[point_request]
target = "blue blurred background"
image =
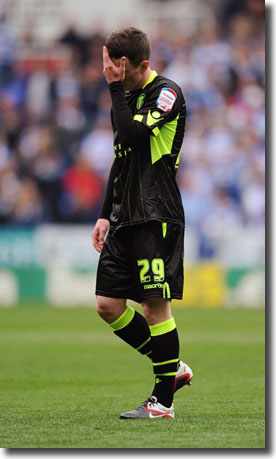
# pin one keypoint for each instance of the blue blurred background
(56, 142)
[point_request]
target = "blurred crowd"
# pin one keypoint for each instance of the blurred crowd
(55, 134)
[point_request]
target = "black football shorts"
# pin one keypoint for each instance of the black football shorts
(142, 261)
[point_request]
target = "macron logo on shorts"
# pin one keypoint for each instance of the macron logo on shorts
(166, 99)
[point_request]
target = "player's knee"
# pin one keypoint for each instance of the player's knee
(149, 312)
(155, 308)
(103, 308)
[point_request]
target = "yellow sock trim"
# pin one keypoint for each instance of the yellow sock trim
(156, 364)
(163, 327)
(143, 344)
(124, 319)
(172, 373)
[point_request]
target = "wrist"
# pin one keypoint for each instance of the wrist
(116, 84)
(104, 216)
(113, 80)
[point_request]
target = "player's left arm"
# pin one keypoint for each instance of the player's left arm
(129, 130)
(162, 106)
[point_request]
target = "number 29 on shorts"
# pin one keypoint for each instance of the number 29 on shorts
(158, 269)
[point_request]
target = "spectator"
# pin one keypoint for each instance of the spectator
(81, 193)
(28, 208)
(56, 138)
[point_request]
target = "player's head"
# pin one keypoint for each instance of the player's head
(134, 45)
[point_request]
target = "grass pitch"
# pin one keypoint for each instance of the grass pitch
(65, 378)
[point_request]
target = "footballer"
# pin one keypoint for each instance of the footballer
(140, 230)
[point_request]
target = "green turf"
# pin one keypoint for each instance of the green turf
(65, 378)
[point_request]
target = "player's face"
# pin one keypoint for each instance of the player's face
(133, 75)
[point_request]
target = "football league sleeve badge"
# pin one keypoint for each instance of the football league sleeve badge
(166, 99)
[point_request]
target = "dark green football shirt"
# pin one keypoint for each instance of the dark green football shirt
(145, 187)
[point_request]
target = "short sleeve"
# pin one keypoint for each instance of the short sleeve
(160, 107)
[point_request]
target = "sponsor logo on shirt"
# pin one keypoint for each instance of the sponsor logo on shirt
(166, 99)
(118, 152)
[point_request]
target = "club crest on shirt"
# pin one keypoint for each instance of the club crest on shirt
(166, 99)
(140, 101)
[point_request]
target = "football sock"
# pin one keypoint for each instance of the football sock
(165, 352)
(133, 328)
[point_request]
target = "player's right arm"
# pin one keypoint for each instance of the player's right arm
(99, 232)
(102, 226)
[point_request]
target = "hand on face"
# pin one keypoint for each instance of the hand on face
(110, 70)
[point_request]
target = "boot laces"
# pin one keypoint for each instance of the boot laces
(150, 401)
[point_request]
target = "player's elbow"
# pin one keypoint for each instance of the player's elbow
(128, 135)
(125, 138)
(134, 134)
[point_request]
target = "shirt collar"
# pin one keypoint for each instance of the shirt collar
(151, 78)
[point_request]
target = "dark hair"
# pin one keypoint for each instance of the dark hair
(129, 42)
